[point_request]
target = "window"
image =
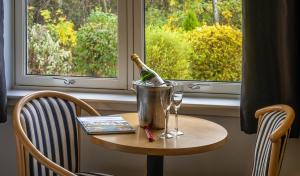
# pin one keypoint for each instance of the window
(195, 41)
(80, 43)
(88, 43)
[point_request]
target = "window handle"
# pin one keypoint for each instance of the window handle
(195, 86)
(66, 81)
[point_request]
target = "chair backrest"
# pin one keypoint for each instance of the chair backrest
(47, 120)
(273, 130)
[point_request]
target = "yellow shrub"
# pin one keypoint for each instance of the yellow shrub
(217, 53)
(65, 33)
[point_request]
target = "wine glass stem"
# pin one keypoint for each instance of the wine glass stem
(176, 119)
(166, 124)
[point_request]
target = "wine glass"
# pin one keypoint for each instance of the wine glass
(166, 104)
(176, 103)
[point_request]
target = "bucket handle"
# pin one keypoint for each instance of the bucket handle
(133, 90)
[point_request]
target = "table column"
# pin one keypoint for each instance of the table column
(155, 165)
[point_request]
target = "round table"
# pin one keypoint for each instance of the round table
(199, 136)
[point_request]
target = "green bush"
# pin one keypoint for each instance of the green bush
(96, 51)
(190, 22)
(45, 54)
(166, 53)
(217, 53)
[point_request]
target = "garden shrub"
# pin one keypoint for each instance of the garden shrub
(217, 53)
(166, 53)
(66, 34)
(190, 22)
(45, 54)
(96, 51)
(60, 28)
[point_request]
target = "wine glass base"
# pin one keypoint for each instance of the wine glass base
(177, 133)
(166, 136)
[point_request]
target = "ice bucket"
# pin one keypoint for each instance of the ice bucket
(151, 102)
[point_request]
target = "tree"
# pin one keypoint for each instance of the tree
(215, 11)
(104, 6)
(190, 22)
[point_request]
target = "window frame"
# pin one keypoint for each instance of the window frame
(132, 32)
(22, 79)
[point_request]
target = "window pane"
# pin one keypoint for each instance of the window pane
(194, 40)
(72, 38)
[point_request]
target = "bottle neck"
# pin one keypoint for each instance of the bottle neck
(139, 64)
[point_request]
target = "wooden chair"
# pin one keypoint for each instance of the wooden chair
(274, 124)
(47, 136)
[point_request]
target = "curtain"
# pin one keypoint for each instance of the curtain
(270, 59)
(3, 99)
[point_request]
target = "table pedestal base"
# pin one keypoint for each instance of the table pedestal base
(155, 165)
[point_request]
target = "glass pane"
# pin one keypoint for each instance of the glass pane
(194, 39)
(72, 38)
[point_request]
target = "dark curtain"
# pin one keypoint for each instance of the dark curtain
(3, 100)
(270, 59)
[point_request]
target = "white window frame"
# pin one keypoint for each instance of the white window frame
(22, 79)
(131, 40)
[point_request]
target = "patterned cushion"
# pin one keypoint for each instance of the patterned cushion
(270, 122)
(91, 174)
(50, 125)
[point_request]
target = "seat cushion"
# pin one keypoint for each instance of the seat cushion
(91, 174)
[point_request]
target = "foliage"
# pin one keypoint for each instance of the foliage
(46, 14)
(30, 17)
(204, 12)
(174, 13)
(76, 10)
(190, 22)
(174, 21)
(79, 37)
(61, 29)
(231, 12)
(217, 53)
(45, 54)
(166, 53)
(96, 51)
(155, 17)
(64, 31)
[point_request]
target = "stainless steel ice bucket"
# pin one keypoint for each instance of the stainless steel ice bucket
(151, 102)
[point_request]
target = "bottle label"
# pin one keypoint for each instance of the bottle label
(147, 76)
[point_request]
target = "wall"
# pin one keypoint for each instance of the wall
(234, 159)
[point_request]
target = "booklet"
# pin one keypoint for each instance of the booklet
(105, 125)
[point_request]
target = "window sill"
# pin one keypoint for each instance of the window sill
(227, 107)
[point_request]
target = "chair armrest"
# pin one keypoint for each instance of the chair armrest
(290, 115)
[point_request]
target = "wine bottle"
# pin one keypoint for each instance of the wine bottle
(146, 73)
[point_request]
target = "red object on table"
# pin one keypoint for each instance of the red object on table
(149, 134)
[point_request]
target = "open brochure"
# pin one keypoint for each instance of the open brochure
(105, 125)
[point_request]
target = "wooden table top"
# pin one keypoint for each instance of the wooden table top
(199, 136)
